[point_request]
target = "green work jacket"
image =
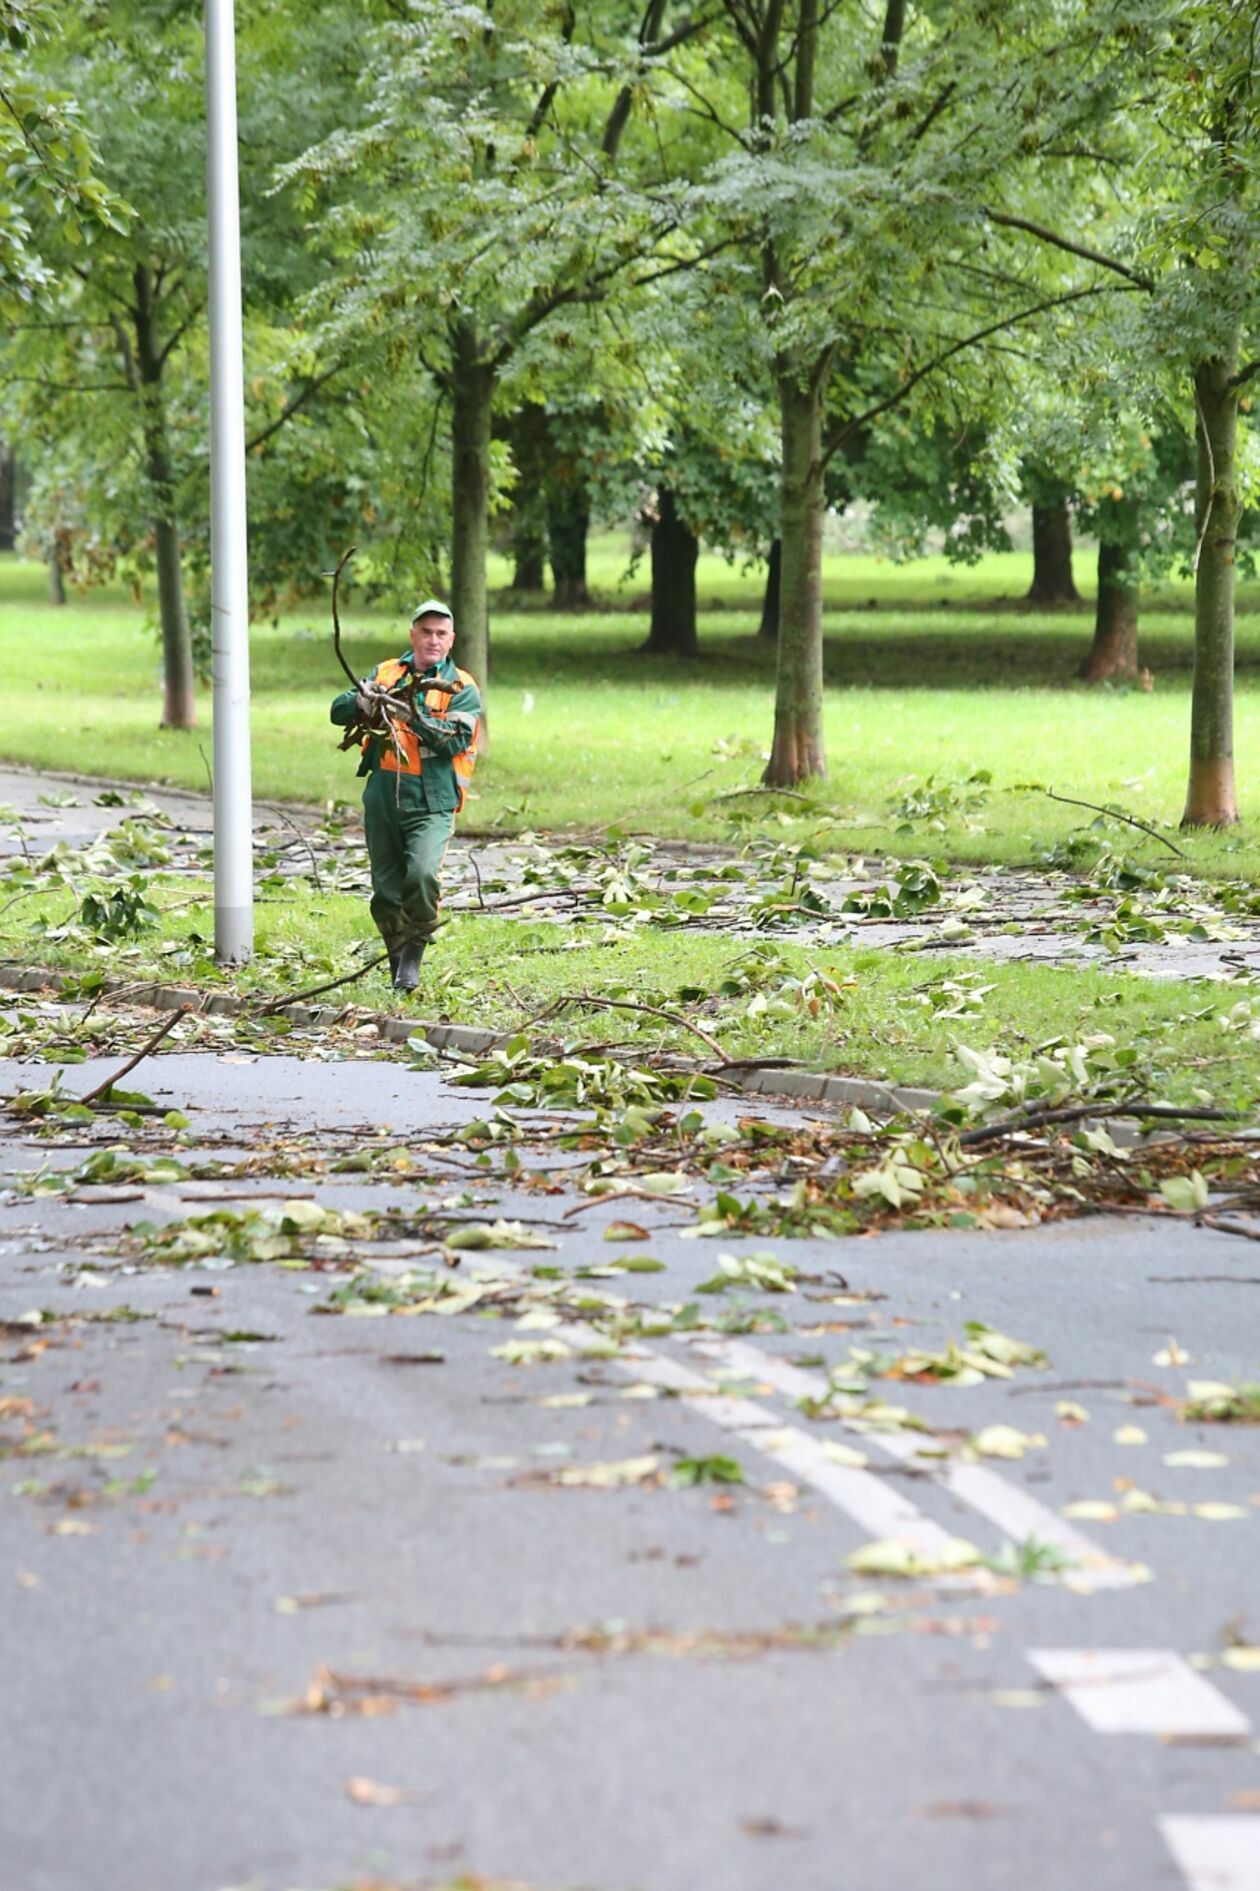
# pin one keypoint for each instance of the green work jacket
(441, 737)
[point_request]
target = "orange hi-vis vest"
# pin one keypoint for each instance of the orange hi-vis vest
(403, 755)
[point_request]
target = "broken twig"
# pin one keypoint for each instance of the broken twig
(315, 991)
(1117, 814)
(150, 1044)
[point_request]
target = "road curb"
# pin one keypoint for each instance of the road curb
(798, 1085)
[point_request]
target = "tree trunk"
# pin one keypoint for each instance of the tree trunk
(674, 552)
(1211, 799)
(529, 553)
(529, 434)
(769, 625)
(1052, 555)
(179, 706)
(472, 403)
(7, 522)
(797, 751)
(56, 578)
(568, 521)
(1113, 655)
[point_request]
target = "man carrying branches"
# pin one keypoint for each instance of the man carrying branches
(417, 718)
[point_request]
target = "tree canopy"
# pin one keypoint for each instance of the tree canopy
(721, 267)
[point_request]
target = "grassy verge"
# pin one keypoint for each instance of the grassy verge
(933, 675)
(900, 1017)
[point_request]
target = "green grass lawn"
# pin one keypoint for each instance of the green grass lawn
(899, 1017)
(931, 671)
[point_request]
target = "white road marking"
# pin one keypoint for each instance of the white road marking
(1215, 1854)
(1139, 1690)
(867, 1500)
(1018, 1515)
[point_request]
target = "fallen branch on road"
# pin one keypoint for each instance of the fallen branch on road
(150, 1044)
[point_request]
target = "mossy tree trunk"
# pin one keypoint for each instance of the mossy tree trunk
(674, 552)
(1211, 797)
(1113, 655)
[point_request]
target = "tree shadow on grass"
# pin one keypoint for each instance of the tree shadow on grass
(875, 650)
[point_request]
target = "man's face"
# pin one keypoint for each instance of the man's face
(431, 639)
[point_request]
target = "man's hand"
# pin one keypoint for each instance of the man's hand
(367, 700)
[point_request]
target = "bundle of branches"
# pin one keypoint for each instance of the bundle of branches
(390, 711)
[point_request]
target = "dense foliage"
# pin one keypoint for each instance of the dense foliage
(717, 268)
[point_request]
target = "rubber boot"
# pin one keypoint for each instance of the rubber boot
(407, 976)
(393, 965)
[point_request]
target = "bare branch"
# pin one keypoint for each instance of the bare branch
(311, 386)
(1053, 237)
(836, 439)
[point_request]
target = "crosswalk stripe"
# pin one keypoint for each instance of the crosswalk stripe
(867, 1500)
(1139, 1690)
(1216, 1854)
(1017, 1514)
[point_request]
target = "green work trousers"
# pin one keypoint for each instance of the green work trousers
(406, 841)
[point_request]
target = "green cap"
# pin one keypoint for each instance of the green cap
(431, 607)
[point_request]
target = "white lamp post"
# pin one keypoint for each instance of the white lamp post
(229, 570)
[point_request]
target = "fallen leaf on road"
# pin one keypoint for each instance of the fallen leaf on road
(496, 1234)
(1071, 1413)
(1195, 1460)
(608, 1476)
(1171, 1355)
(1209, 1389)
(626, 1231)
(530, 1352)
(1141, 1503)
(1185, 1194)
(311, 1599)
(844, 1454)
(1004, 1441)
(1130, 1435)
(1218, 1513)
(1244, 1659)
(889, 1556)
(1091, 1510)
(771, 1828)
(370, 1792)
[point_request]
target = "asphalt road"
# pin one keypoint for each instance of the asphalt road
(512, 1674)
